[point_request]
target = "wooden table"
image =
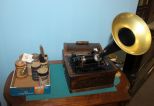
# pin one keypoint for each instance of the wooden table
(105, 99)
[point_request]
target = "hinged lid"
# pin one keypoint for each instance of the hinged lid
(80, 47)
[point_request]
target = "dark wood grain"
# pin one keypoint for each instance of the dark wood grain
(94, 79)
(89, 80)
(104, 99)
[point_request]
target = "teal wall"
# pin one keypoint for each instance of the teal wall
(25, 24)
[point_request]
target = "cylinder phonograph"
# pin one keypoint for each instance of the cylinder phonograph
(87, 65)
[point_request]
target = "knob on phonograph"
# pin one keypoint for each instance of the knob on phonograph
(130, 33)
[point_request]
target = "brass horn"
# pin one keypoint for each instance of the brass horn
(130, 33)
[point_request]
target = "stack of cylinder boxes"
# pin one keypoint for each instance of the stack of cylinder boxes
(37, 68)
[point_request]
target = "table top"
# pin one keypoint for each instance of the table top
(94, 99)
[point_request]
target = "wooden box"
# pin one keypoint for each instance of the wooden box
(90, 80)
(27, 86)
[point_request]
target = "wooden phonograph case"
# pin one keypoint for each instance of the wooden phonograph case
(89, 74)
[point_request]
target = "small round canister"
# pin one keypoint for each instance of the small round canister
(43, 74)
(35, 66)
(44, 64)
(21, 71)
(29, 69)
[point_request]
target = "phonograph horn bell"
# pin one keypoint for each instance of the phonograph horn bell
(130, 33)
